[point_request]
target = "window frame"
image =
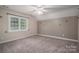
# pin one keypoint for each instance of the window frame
(19, 20)
(26, 24)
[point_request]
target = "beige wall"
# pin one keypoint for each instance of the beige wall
(67, 26)
(78, 27)
(9, 36)
(62, 27)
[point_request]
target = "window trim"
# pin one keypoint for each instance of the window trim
(18, 30)
(26, 24)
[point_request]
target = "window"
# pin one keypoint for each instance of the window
(22, 24)
(17, 23)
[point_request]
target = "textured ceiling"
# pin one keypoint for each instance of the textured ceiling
(30, 9)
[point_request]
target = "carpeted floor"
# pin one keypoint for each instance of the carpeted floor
(39, 44)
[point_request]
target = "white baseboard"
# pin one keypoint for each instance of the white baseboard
(16, 39)
(42, 35)
(73, 40)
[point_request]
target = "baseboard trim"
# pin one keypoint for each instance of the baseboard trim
(17, 39)
(58, 37)
(44, 36)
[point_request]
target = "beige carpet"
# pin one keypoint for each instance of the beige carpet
(39, 44)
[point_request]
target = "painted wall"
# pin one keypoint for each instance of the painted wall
(62, 27)
(9, 36)
(78, 27)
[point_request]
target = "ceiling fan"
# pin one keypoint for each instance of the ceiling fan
(43, 9)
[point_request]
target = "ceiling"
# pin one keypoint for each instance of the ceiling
(46, 9)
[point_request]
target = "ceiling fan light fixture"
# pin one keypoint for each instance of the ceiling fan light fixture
(39, 10)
